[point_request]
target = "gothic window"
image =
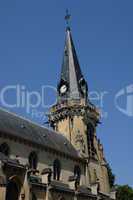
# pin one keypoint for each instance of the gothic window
(56, 169)
(4, 148)
(33, 160)
(90, 139)
(77, 172)
(34, 196)
(13, 189)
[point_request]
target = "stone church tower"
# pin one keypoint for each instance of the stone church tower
(67, 163)
(76, 117)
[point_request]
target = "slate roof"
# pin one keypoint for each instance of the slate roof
(22, 128)
(71, 72)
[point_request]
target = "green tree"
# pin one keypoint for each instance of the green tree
(111, 176)
(124, 192)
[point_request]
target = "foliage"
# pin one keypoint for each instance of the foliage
(124, 192)
(111, 176)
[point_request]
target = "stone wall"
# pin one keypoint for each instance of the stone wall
(45, 160)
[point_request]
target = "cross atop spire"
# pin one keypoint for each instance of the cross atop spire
(67, 18)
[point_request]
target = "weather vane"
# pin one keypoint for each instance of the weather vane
(67, 17)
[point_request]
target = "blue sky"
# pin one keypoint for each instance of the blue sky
(31, 47)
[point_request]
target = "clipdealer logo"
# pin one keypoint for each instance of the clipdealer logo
(125, 95)
(31, 101)
(23, 98)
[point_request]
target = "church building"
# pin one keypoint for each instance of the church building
(64, 162)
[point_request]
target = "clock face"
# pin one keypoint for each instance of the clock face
(63, 89)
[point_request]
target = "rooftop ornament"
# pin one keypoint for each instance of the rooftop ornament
(67, 18)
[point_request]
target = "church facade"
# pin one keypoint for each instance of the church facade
(65, 162)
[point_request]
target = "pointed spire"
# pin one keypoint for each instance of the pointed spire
(72, 83)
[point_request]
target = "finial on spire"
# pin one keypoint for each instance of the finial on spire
(67, 18)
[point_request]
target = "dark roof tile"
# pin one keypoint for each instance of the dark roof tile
(17, 126)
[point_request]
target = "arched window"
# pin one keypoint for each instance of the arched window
(77, 175)
(77, 172)
(4, 148)
(13, 188)
(56, 169)
(33, 160)
(34, 196)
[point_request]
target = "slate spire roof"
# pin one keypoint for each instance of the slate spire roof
(71, 74)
